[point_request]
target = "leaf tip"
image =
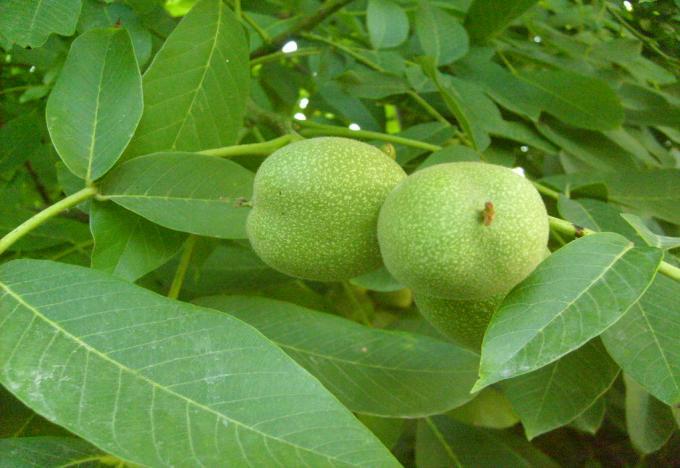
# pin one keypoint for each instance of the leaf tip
(479, 385)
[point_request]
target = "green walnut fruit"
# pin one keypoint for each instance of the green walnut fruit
(315, 208)
(463, 321)
(464, 230)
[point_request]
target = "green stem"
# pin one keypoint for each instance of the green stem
(565, 227)
(41, 217)
(103, 459)
(357, 56)
(670, 270)
(280, 54)
(182, 268)
(646, 40)
(23, 427)
(306, 23)
(237, 9)
(351, 295)
(321, 129)
(428, 108)
(73, 248)
(546, 190)
(14, 89)
(264, 148)
(370, 64)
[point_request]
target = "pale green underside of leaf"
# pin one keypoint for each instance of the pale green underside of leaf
(490, 409)
(184, 191)
(30, 22)
(128, 245)
(160, 382)
(196, 88)
(650, 423)
(556, 394)
(378, 372)
(573, 296)
(591, 419)
(442, 441)
(651, 238)
(30, 452)
(96, 103)
(378, 280)
(645, 341)
(387, 23)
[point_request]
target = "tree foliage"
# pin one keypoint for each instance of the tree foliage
(130, 132)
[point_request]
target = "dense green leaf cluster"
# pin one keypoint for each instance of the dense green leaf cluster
(130, 133)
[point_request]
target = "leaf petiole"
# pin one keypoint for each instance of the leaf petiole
(182, 268)
(252, 149)
(565, 227)
(313, 129)
(51, 211)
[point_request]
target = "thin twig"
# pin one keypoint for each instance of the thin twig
(305, 24)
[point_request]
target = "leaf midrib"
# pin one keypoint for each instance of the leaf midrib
(203, 76)
(440, 437)
(95, 123)
(153, 384)
(559, 98)
(643, 312)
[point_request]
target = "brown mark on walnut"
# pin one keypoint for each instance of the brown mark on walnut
(489, 213)
(579, 231)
